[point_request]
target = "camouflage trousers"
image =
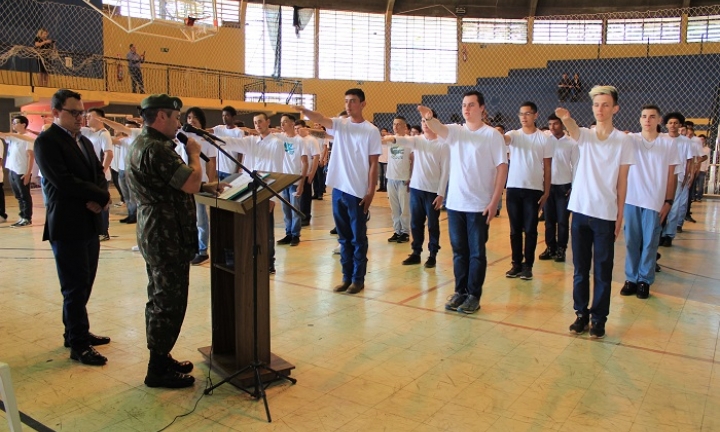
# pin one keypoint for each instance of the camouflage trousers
(166, 306)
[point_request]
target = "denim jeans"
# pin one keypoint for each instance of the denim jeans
(351, 224)
(22, 194)
(468, 235)
(293, 221)
(700, 185)
(129, 200)
(557, 217)
(522, 208)
(222, 175)
(677, 211)
(203, 226)
(399, 205)
(642, 237)
(421, 208)
(593, 245)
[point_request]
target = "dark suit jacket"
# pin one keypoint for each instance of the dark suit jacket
(71, 181)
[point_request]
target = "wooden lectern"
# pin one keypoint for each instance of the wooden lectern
(231, 282)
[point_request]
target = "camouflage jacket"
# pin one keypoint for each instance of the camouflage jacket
(166, 218)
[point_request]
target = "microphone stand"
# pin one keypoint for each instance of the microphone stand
(256, 365)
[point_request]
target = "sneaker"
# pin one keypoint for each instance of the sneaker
(514, 271)
(643, 290)
(470, 305)
(342, 287)
(135, 248)
(580, 325)
(679, 229)
(3, 219)
(526, 273)
(668, 242)
(394, 238)
(355, 288)
(294, 241)
(690, 219)
(597, 331)
(630, 288)
(333, 231)
(411, 259)
(430, 263)
(560, 255)
(337, 250)
(454, 301)
(547, 254)
(120, 204)
(285, 240)
(658, 269)
(21, 223)
(404, 238)
(105, 237)
(271, 270)
(305, 222)
(199, 259)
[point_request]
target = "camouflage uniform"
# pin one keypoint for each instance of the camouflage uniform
(166, 233)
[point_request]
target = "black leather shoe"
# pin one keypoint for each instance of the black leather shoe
(88, 356)
(168, 379)
(183, 367)
(342, 287)
(629, 288)
(355, 288)
(411, 259)
(94, 340)
(430, 263)
(643, 290)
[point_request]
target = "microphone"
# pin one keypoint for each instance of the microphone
(187, 127)
(184, 139)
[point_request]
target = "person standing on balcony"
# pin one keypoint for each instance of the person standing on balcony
(134, 61)
(43, 45)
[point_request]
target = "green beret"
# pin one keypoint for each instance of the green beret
(161, 101)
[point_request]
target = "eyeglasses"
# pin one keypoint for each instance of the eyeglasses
(74, 113)
(525, 114)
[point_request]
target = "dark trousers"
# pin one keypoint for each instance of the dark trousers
(2, 201)
(699, 185)
(105, 220)
(22, 193)
(116, 181)
(557, 217)
(137, 80)
(318, 184)
(468, 235)
(76, 262)
(593, 246)
(421, 208)
(351, 224)
(522, 207)
(167, 302)
(306, 201)
(382, 181)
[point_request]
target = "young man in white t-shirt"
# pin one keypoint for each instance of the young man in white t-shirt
(103, 148)
(3, 215)
(704, 166)
(697, 160)
(132, 130)
(314, 153)
(597, 202)
(227, 166)
(20, 159)
(650, 192)
(353, 175)
(295, 162)
(528, 187)
(399, 170)
(557, 216)
(478, 170)
(382, 164)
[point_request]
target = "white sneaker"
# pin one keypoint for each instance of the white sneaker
(2, 219)
(336, 251)
(135, 248)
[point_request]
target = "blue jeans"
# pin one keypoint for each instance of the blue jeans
(677, 211)
(468, 235)
(522, 208)
(222, 175)
(590, 233)
(421, 207)
(351, 224)
(699, 185)
(129, 200)
(293, 221)
(399, 205)
(203, 226)
(557, 217)
(642, 236)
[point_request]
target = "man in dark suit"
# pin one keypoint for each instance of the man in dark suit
(76, 194)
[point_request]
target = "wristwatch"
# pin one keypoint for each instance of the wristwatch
(670, 201)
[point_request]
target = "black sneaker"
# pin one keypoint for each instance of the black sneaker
(430, 263)
(597, 331)
(199, 259)
(104, 237)
(271, 270)
(679, 229)
(412, 259)
(668, 242)
(547, 254)
(285, 240)
(470, 305)
(394, 238)
(333, 231)
(294, 241)
(454, 301)
(560, 255)
(404, 238)
(658, 269)
(690, 219)
(630, 288)
(580, 325)
(514, 271)
(643, 290)
(526, 273)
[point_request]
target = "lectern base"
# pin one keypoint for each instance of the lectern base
(225, 365)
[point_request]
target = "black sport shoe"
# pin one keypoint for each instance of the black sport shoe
(104, 237)
(560, 255)
(526, 273)
(470, 305)
(394, 238)
(580, 325)
(668, 242)
(547, 254)
(294, 241)
(690, 219)
(333, 231)
(404, 238)
(454, 301)
(199, 259)
(597, 331)
(643, 290)
(430, 263)
(679, 229)
(412, 259)
(285, 240)
(630, 288)
(514, 271)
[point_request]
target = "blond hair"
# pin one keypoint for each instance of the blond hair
(604, 90)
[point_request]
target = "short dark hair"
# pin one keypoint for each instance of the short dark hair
(689, 124)
(133, 123)
(230, 110)
(532, 106)
(674, 115)
(260, 113)
(417, 128)
(199, 114)
(239, 123)
(342, 113)
(356, 92)
(399, 117)
(701, 136)
(98, 111)
(501, 127)
(554, 117)
(290, 116)
(384, 129)
(651, 107)
(61, 96)
(300, 123)
(22, 119)
(480, 97)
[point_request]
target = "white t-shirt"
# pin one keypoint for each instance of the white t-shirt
(100, 140)
(295, 148)
(2, 155)
(527, 152)
(564, 159)
(205, 147)
(474, 157)
(261, 154)
(17, 156)
(353, 144)
(704, 165)
(697, 146)
(594, 191)
(122, 147)
(224, 163)
(432, 163)
(384, 155)
(313, 147)
(398, 162)
(647, 179)
(685, 151)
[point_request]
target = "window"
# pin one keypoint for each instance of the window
(297, 50)
(640, 31)
(171, 10)
(567, 31)
(494, 30)
(703, 29)
(423, 49)
(352, 46)
(306, 100)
